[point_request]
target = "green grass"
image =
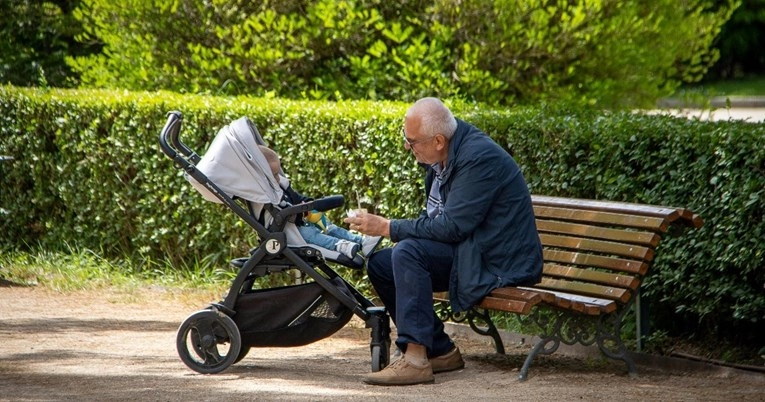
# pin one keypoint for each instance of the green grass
(87, 270)
(82, 269)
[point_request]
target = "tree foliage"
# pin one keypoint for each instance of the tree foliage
(601, 52)
(35, 37)
(741, 42)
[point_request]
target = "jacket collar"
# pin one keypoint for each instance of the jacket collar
(455, 142)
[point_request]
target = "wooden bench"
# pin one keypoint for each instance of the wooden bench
(596, 255)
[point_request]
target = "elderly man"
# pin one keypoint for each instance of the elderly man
(476, 233)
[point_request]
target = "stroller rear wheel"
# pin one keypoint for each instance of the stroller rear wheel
(242, 353)
(208, 342)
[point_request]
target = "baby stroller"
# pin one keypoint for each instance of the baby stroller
(235, 173)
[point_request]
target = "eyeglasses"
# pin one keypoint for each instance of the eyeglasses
(411, 144)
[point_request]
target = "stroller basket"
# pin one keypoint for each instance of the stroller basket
(290, 316)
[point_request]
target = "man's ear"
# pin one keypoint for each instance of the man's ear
(440, 142)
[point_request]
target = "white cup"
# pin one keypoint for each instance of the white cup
(352, 213)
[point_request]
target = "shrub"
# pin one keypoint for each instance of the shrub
(35, 38)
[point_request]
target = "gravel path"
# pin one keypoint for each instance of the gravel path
(121, 346)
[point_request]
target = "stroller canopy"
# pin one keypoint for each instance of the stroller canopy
(237, 166)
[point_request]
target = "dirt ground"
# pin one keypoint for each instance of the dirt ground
(121, 346)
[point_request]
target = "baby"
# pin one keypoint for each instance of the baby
(315, 227)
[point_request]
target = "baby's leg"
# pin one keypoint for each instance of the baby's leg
(342, 233)
(313, 235)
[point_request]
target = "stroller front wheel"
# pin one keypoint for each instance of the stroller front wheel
(380, 359)
(208, 341)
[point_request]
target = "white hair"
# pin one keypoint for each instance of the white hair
(435, 117)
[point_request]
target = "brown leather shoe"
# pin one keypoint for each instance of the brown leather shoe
(448, 362)
(401, 372)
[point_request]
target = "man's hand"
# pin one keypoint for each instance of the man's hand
(369, 224)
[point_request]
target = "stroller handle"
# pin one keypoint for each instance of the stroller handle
(169, 135)
(172, 130)
(329, 202)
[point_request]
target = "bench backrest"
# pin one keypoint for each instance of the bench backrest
(596, 253)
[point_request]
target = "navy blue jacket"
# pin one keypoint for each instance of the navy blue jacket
(487, 212)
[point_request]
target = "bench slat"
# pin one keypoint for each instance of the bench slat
(573, 305)
(511, 306)
(602, 218)
(628, 236)
(583, 308)
(510, 299)
(599, 246)
(585, 289)
(588, 275)
(441, 296)
(593, 305)
(513, 293)
(671, 214)
(597, 261)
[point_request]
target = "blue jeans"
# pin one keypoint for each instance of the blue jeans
(313, 235)
(405, 278)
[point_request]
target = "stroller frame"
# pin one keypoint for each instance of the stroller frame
(204, 335)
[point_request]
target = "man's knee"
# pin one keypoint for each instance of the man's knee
(406, 252)
(379, 265)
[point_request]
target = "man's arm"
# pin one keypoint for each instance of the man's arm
(472, 191)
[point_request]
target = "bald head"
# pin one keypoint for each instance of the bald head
(432, 117)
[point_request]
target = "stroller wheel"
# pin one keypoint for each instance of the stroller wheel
(242, 353)
(208, 341)
(380, 358)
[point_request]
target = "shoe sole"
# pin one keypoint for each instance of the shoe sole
(431, 381)
(446, 370)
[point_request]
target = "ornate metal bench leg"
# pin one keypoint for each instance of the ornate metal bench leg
(541, 346)
(549, 342)
(610, 342)
(444, 312)
(491, 329)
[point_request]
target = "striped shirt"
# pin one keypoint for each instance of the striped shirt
(435, 205)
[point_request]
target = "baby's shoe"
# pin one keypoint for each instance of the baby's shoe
(347, 248)
(369, 244)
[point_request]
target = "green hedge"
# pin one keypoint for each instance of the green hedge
(88, 172)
